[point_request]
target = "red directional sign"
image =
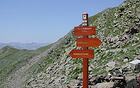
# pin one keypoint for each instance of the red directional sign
(82, 54)
(88, 42)
(84, 31)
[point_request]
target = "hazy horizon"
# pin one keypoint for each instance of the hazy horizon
(27, 42)
(44, 21)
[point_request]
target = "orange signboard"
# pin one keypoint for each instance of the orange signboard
(82, 53)
(84, 30)
(88, 42)
(82, 33)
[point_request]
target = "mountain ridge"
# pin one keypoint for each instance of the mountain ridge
(29, 46)
(119, 30)
(114, 28)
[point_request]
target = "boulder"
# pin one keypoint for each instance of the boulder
(104, 85)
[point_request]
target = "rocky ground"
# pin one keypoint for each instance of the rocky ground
(119, 30)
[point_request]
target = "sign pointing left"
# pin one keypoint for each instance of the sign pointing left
(84, 31)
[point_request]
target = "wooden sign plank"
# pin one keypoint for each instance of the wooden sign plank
(84, 30)
(88, 42)
(82, 53)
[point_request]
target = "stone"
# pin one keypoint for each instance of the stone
(126, 59)
(104, 85)
(110, 65)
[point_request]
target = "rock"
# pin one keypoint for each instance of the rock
(131, 81)
(104, 85)
(126, 59)
(110, 65)
(135, 65)
(99, 79)
(117, 28)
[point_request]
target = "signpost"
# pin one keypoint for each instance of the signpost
(84, 31)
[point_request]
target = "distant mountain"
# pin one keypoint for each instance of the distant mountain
(29, 46)
(1, 45)
(119, 30)
(51, 66)
(12, 59)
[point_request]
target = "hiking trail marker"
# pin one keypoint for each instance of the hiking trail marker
(85, 42)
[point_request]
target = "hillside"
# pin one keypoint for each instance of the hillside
(12, 59)
(117, 27)
(119, 30)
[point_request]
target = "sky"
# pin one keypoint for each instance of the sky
(45, 21)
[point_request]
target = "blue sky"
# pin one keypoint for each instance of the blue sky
(46, 21)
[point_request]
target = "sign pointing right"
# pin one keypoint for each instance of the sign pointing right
(88, 42)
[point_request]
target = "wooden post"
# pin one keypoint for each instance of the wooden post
(84, 53)
(85, 60)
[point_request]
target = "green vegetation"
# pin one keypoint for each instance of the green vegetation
(12, 59)
(74, 73)
(42, 49)
(117, 43)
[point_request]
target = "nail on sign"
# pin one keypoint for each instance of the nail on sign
(82, 53)
(84, 31)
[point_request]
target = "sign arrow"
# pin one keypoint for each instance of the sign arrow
(88, 42)
(82, 53)
(84, 31)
